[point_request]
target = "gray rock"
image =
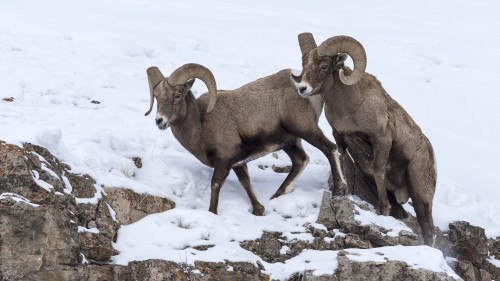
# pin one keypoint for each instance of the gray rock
(326, 215)
(343, 208)
(137, 162)
(354, 241)
(269, 247)
(281, 169)
(492, 269)
(309, 276)
(104, 221)
(83, 185)
(96, 247)
(230, 271)
(467, 271)
(494, 246)
(350, 270)
(468, 242)
(35, 239)
(131, 207)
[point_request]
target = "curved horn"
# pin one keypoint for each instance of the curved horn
(306, 43)
(349, 45)
(192, 70)
(154, 77)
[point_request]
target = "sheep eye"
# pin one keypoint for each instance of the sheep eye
(177, 95)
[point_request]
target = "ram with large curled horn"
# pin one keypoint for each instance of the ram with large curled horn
(226, 129)
(364, 118)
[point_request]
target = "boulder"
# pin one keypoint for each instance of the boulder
(390, 270)
(49, 233)
(344, 212)
(131, 207)
(82, 185)
(468, 242)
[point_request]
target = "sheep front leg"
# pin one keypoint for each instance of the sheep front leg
(221, 171)
(329, 149)
(242, 174)
(381, 150)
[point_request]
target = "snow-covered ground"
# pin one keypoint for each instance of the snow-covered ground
(436, 58)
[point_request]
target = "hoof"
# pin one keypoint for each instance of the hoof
(276, 195)
(383, 210)
(398, 212)
(258, 211)
(214, 211)
(339, 188)
(338, 191)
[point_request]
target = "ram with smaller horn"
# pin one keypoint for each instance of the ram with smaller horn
(362, 114)
(226, 129)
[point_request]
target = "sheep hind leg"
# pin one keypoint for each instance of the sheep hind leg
(299, 162)
(242, 174)
(421, 189)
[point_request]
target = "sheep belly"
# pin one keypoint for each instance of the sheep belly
(261, 152)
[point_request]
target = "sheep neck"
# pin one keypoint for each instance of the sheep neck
(188, 131)
(342, 99)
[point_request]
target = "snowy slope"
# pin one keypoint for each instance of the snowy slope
(436, 58)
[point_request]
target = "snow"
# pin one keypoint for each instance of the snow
(67, 185)
(112, 213)
(494, 261)
(320, 262)
(91, 230)
(415, 256)
(392, 225)
(59, 56)
(18, 198)
(84, 259)
(36, 177)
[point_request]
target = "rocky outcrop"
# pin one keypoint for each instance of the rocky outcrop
(53, 221)
(340, 212)
(472, 250)
(57, 225)
(387, 271)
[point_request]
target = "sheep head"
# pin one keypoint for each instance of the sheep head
(170, 92)
(319, 63)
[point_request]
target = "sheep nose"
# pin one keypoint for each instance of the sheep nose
(302, 89)
(159, 120)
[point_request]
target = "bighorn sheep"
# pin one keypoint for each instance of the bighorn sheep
(361, 112)
(225, 130)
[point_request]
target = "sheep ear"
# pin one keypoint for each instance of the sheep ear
(339, 59)
(189, 84)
